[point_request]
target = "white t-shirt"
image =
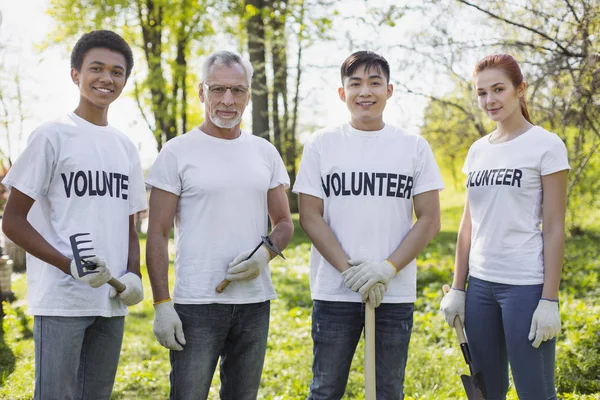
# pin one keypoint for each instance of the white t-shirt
(221, 211)
(84, 178)
(504, 187)
(367, 181)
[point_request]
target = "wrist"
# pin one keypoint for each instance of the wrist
(549, 299)
(392, 264)
(157, 302)
(459, 289)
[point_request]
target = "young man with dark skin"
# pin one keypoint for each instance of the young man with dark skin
(358, 186)
(80, 175)
(220, 185)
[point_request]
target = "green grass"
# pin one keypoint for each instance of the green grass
(435, 362)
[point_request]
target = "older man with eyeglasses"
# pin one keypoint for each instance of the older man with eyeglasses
(219, 184)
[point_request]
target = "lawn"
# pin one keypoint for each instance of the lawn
(435, 362)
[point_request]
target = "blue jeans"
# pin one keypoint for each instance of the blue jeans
(235, 332)
(336, 330)
(497, 322)
(76, 357)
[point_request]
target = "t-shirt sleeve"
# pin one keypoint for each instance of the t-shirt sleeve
(32, 172)
(164, 174)
(137, 189)
(555, 157)
(308, 180)
(468, 160)
(427, 174)
(279, 175)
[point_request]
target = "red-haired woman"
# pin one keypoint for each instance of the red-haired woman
(516, 181)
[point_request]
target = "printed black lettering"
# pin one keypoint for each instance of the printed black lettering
(401, 184)
(500, 176)
(517, 177)
(478, 178)
(68, 185)
(109, 182)
(91, 184)
(493, 174)
(356, 190)
(409, 186)
(507, 177)
(369, 183)
(345, 192)
(80, 189)
(124, 186)
(381, 176)
(336, 190)
(326, 187)
(391, 184)
(99, 180)
(117, 178)
(486, 177)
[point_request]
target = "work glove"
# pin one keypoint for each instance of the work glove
(91, 277)
(545, 323)
(453, 304)
(134, 291)
(240, 270)
(168, 328)
(375, 295)
(363, 275)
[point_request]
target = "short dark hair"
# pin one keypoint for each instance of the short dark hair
(367, 59)
(101, 39)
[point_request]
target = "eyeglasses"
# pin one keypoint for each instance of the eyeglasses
(220, 90)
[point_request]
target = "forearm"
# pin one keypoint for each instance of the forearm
(325, 241)
(461, 260)
(281, 234)
(554, 247)
(415, 241)
(133, 257)
(22, 233)
(157, 261)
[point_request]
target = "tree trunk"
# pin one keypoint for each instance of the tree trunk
(256, 48)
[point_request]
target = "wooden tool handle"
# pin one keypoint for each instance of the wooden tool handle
(224, 283)
(370, 378)
(118, 285)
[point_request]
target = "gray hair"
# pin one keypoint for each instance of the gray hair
(227, 59)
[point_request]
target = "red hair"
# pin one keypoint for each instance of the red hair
(509, 65)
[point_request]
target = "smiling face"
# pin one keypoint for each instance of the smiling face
(497, 96)
(365, 93)
(225, 108)
(101, 78)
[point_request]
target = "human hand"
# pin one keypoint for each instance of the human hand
(363, 275)
(242, 269)
(134, 290)
(93, 277)
(168, 328)
(545, 323)
(375, 295)
(453, 304)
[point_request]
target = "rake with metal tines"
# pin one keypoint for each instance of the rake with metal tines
(85, 267)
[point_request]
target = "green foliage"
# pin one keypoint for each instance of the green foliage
(435, 362)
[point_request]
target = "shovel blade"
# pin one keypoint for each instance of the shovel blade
(473, 391)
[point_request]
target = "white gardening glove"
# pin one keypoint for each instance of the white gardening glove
(134, 290)
(363, 275)
(545, 323)
(375, 295)
(168, 328)
(240, 270)
(91, 277)
(453, 304)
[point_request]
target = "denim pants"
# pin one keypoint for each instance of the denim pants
(497, 322)
(235, 332)
(76, 357)
(336, 330)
